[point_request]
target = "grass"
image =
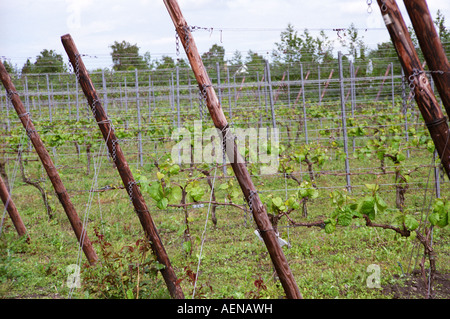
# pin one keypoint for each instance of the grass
(234, 262)
(233, 259)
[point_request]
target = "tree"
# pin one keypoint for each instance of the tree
(255, 63)
(48, 61)
(380, 56)
(126, 56)
(304, 48)
(236, 63)
(444, 33)
(354, 42)
(166, 62)
(215, 54)
(289, 48)
(27, 67)
(9, 67)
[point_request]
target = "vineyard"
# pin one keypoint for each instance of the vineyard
(388, 153)
(343, 163)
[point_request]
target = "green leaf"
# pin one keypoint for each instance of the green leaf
(313, 193)
(174, 195)
(367, 207)
(277, 201)
(223, 186)
(130, 294)
(330, 225)
(411, 223)
(433, 218)
(292, 203)
(439, 216)
(174, 169)
(159, 175)
(162, 204)
(196, 193)
(155, 191)
(187, 246)
(346, 217)
(330, 228)
(381, 204)
(401, 157)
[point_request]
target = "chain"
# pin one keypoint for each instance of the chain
(369, 6)
(187, 29)
(202, 97)
(250, 200)
(77, 63)
(177, 43)
(10, 94)
(77, 66)
(114, 143)
(370, 9)
(27, 129)
(130, 189)
(226, 136)
(412, 79)
(94, 111)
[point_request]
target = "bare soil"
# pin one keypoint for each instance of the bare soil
(414, 287)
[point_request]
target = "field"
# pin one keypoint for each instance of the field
(328, 163)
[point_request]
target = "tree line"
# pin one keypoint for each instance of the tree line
(292, 49)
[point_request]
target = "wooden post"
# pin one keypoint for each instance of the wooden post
(382, 82)
(301, 88)
(326, 85)
(12, 210)
(240, 170)
(50, 168)
(431, 47)
(418, 81)
(122, 166)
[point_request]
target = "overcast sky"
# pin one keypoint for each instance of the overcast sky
(29, 26)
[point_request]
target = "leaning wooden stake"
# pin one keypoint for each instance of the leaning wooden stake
(240, 170)
(418, 81)
(431, 47)
(12, 210)
(50, 168)
(122, 166)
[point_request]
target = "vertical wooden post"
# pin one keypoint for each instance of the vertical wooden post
(431, 47)
(326, 86)
(12, 210)
(382, 82)
(240, 170)
(50, 168)
(418, 81)
(122, 166)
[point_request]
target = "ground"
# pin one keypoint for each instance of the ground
(414, 287)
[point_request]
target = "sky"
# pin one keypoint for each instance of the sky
(237, 25)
